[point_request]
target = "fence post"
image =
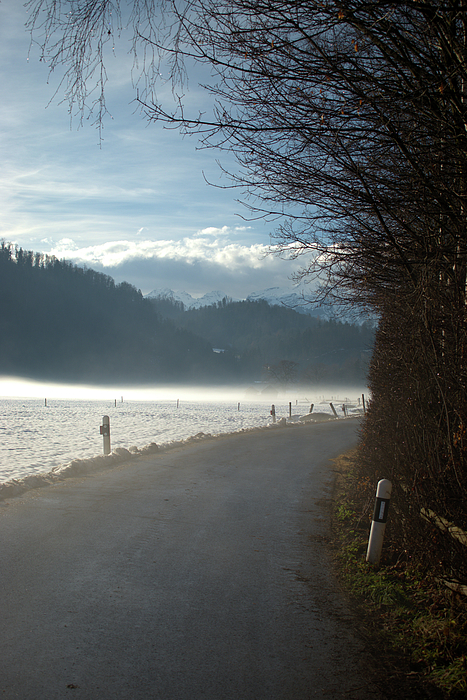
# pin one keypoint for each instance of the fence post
(334, 411)
(273, 413)
(105, 432)
(378, 524)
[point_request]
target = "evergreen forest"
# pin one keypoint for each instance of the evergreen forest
(62, 322)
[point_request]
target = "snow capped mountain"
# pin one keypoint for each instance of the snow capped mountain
(295, 298)
(166, 293)
(292, 298)
(190, 302)
(211, 298)
(273, 294)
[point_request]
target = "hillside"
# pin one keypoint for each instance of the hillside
(62, 322)
(262, 336)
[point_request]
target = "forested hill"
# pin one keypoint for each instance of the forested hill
(62, 322)
(278, 342)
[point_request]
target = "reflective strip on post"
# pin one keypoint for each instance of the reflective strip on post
(380, 513)
(105, 432)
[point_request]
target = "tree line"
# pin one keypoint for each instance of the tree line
(62, 322)
(256, 337)
(348, 123)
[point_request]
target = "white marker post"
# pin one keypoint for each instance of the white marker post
(378, 525)
(105, 432)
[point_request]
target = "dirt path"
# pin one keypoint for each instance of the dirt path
(196, 574)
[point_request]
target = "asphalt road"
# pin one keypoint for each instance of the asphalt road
(199, 573)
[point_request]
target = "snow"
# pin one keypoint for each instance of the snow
(39, 443)
(293, 298)
(190, 302)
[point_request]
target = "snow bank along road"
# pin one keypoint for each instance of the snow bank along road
(196, 574)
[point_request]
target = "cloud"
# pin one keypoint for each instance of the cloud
(213, 231)
(196, 265)
(189, 250)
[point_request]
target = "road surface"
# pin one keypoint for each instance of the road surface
(199, 573)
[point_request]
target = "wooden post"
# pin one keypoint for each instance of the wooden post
(363, 403)
(334, 410)
(105, 432)
(178, 402)
(238, 407)
(273, 413)
(290, 409)
(45, 402)
(312, 407)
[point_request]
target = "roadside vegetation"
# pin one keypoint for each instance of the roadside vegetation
(416, 626)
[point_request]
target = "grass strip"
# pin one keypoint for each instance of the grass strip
(417, 625)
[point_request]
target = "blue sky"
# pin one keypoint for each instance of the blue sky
(137, 207)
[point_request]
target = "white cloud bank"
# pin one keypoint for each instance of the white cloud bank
(208, 260)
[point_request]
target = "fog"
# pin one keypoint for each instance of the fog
(17, 387)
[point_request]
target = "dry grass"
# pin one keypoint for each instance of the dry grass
(417, 626)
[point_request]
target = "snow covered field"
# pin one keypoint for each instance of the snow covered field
(35, 438)
(38, 435)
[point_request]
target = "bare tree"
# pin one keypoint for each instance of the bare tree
(347, 116)
(282, 374)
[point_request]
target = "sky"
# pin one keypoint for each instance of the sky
(135, 206)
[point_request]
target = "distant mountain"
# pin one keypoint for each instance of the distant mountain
(295, 299)
(187, 300)
(275, 296)
(183, 297)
